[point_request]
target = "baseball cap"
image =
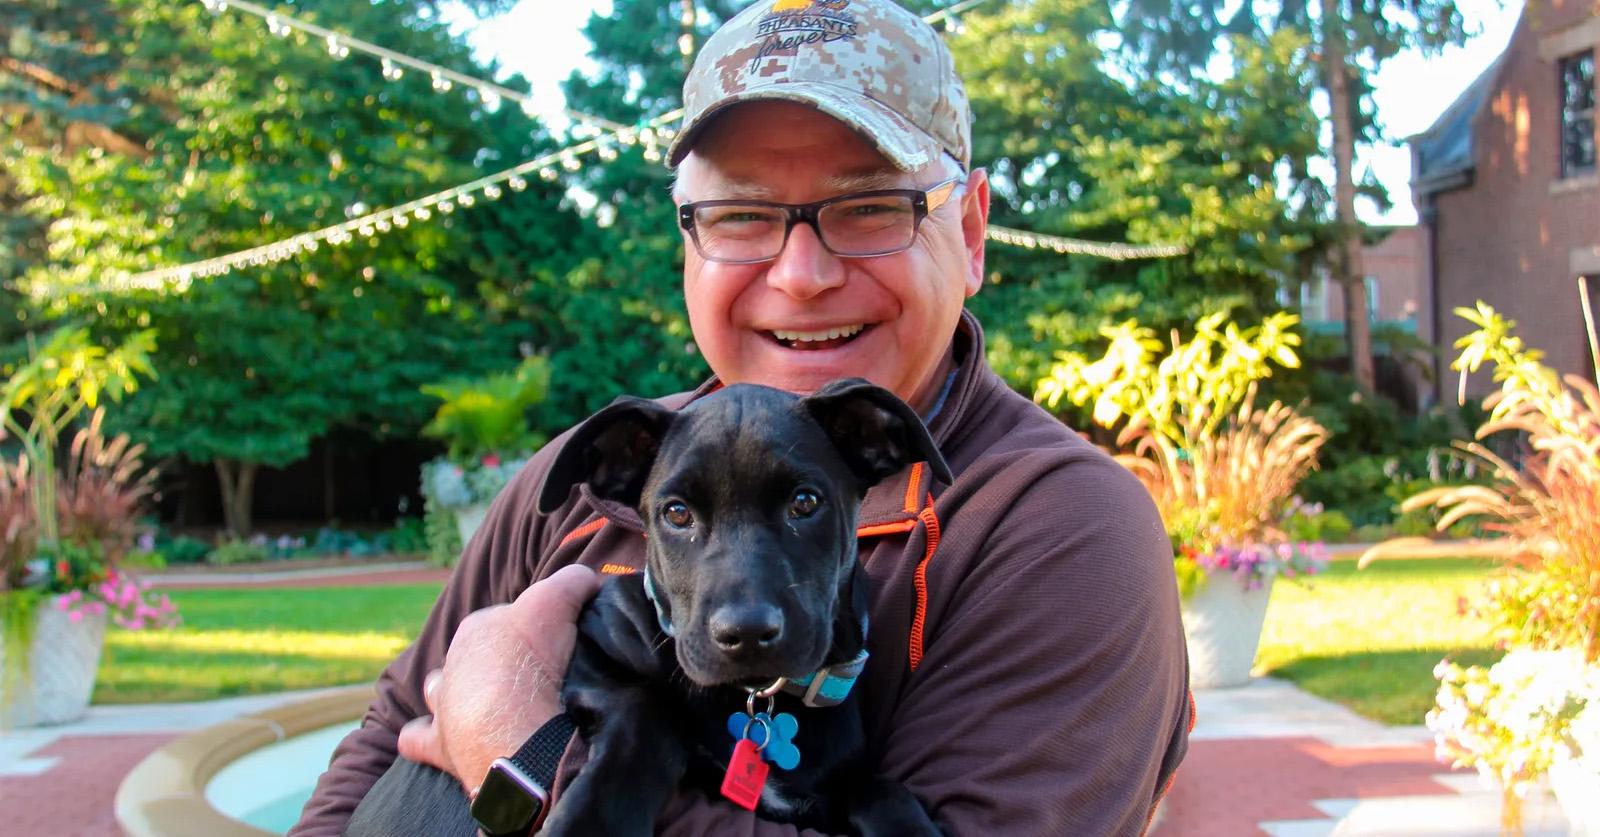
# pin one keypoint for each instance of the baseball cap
(870, 64)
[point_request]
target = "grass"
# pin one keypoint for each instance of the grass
(1369, 639)
(239, 642)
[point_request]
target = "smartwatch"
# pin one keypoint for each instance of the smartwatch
(515, 797)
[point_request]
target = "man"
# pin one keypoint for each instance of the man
(1028, 673)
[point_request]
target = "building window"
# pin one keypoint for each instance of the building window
(1577, 115)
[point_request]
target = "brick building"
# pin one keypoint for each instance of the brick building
(1508, 190)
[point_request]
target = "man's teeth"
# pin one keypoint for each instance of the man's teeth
(817, 336)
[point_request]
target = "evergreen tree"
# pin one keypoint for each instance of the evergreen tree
(1352, 39)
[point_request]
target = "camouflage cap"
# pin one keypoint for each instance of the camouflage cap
(868, 63)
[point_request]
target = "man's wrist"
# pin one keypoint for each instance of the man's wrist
(515, 795)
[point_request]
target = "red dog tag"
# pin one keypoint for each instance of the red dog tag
(747, 775)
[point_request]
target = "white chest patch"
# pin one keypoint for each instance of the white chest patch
(774, 801)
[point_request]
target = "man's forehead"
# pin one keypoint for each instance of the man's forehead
(752, 185)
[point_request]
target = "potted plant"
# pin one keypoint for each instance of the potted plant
(1222, 472)
(63, 532)
(1535, 713)
(484, 423)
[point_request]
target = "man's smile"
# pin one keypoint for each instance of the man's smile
(819, 339)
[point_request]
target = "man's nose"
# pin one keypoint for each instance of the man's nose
(740, 629)
(805, 268)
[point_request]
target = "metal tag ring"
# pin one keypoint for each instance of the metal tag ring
(766, 738)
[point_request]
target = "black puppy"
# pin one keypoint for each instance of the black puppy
(749, 497)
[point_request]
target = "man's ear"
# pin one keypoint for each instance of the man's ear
(875, 432)
(613, 451)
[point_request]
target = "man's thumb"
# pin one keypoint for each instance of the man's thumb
(559, 598)
(419, 741)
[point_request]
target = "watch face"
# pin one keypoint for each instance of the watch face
(508, 802)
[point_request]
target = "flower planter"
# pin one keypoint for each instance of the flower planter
(468, 519)
(1578, 791)
(61, 669)
(1222, 622)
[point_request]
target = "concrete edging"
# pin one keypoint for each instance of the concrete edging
(165, 794)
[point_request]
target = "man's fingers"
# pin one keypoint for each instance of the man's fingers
(419, 741)
(558, 598)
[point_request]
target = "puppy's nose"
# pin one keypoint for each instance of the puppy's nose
(739, 629)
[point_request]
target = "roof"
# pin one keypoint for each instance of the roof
(1443, 154)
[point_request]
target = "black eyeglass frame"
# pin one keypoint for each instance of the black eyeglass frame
(923, 203)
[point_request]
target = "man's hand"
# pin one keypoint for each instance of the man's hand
(501, 678)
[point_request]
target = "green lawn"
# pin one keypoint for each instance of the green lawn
(1369, 639)
(239, 642)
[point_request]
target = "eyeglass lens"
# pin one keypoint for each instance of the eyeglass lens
(866, 226)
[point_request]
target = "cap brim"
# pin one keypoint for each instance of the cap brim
(907, 146)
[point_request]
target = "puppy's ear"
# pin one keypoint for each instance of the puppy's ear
(612, 451)
(875, 432)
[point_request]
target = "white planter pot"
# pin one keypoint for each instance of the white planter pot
(61, 669)
(468, 519)
(1578, 791)
(1222, 623)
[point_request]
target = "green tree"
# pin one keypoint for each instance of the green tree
(1352, 38)
(1080, 144)
(247, 139)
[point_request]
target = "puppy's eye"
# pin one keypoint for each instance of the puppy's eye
(677, 515)
(804, 503)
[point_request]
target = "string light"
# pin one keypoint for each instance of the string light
(649, 134)
(444, 79)
(1080, 247)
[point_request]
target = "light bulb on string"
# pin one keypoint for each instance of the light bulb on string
(569, 161)
(392, 71)
(382, 224)
(402, 221)
(606, 151)
(214, 6)
(517, 184)
(652, 153)
(466, 199)
(548, 174)
(276, 26)
(440, 83)
(492, 192)
(422, 213)
(337, 49)
(491, 99)
(446, 207)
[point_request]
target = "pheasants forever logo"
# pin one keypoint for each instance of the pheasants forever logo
(791, 24)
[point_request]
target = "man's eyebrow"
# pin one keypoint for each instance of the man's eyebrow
(863, 181)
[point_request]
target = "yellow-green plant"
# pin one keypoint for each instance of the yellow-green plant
(60, 379)
(1220, 470)
(1548, 505)
(1545, 601)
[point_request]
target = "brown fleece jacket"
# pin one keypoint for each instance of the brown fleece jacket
(1028, 674)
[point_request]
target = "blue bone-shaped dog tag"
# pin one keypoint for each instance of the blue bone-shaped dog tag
(780, 749)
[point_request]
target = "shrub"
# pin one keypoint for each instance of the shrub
(232, 552)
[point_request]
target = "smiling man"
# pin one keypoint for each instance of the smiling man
(1027, 671)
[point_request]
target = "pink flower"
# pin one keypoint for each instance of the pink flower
(74, 616)
(491, 461)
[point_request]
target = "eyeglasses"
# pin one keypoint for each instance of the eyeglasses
(857, 225)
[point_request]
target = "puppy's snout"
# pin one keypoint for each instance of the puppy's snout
(746, 628)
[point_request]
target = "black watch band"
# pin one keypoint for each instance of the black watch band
(540, 755)
(515, 796)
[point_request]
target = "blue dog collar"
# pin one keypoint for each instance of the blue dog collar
(831, 685)
(828, 687)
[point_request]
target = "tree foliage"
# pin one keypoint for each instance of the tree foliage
(247, 139)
